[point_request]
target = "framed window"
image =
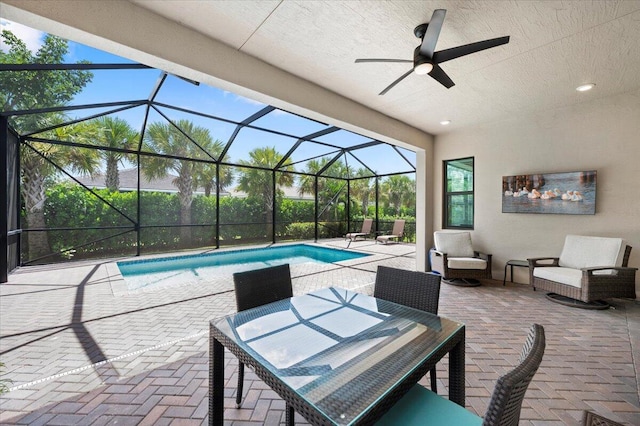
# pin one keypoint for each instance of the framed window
(458, 193)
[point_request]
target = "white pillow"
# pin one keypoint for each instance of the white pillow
(587, 252)
(454, 244)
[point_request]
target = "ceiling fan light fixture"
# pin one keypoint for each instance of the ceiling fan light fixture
(425, 58)
(585, 87)
(423, 68)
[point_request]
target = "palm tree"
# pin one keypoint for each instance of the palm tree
(111, 132)
(398, 191)
(258, 183)
(38, 161)
(361, 189)
(307, 182)
(329, 191)
(168, 139)
(206, 174)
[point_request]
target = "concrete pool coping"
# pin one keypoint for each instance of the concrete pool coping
(120, 287)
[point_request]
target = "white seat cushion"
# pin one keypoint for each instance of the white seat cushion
(454, 244)
(588, 252)
(568, 276)
(386, 237)
(355, 234)
(466, 263)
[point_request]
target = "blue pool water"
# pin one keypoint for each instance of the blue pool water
(204, 267)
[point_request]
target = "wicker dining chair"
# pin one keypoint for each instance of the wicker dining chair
(422, 407)
(256, 288)
(419, 290)
(589, 418)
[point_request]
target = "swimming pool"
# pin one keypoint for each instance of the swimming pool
(202, 267)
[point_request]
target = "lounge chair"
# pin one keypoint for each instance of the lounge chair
(364, 232)
(396, 234)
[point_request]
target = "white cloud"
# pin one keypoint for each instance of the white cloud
(32, 38)
(242, 98)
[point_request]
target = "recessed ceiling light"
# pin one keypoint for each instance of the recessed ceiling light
(585, 87)
(445, 122)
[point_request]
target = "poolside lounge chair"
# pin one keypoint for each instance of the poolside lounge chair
(396, 234)
(259, 287)
(364, 232)
(422, 407)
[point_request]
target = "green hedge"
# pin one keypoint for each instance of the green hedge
(243, 220)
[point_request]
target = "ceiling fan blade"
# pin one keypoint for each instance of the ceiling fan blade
(441, 77)
(384, 60)
(456, 52)
(389, 87)
(433, 32)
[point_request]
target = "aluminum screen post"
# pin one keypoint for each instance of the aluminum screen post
(4, 198)
(315, 213)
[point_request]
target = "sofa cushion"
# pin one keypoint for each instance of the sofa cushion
(454, 244)
(466, 263)
(568, 276)
(587, 252)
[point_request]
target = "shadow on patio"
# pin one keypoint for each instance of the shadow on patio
(79, 354)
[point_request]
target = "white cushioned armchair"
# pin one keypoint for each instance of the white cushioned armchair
(455, 259)
(589, 269)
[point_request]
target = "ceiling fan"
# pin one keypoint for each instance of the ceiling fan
(426, 60)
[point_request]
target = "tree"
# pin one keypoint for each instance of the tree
(40, 163)
(171, 140)
(206, 175)
(329, 191)
(111, 132)
(361, 189)
(25, 90)
(258, 183)
(398, 191)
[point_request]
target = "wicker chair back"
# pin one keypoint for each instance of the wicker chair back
(508, 394)
(419, 290)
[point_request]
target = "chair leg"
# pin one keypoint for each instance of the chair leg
(289, 416)
(434, 382)
(240, 383)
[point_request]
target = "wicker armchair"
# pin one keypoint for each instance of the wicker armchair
(588, 270)
(259, 287)
(455, 259)
(423, 407)
(419, 290)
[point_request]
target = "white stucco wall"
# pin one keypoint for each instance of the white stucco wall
(599, 134)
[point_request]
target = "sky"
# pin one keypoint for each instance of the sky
(129, 85)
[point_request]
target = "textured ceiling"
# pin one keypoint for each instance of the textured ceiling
(555, 46)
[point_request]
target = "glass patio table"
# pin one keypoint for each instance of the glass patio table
(337, 357)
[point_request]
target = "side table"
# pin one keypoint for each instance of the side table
(512, 263)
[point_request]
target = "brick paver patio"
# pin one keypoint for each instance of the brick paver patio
(80, 350)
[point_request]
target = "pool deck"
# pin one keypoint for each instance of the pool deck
(82, 349)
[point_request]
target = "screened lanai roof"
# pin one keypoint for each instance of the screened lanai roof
(143, 96)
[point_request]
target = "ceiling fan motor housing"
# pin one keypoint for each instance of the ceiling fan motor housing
(420, 30)
(421, 63)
